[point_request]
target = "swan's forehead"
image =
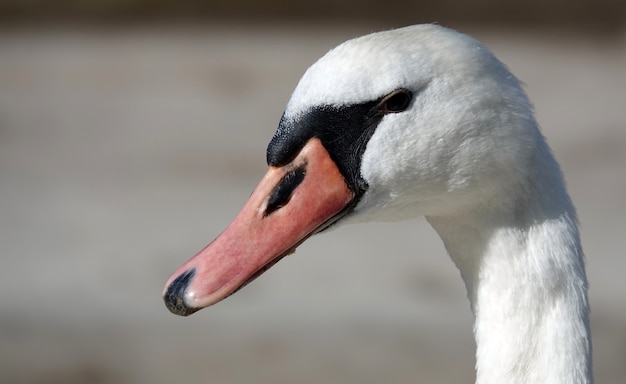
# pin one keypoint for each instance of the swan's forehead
(362, 70)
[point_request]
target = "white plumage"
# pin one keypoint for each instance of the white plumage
(463, 149)
(468, 155)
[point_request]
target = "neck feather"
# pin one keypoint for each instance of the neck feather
(524, 272)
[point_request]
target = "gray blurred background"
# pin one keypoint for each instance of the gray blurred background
(131, 132)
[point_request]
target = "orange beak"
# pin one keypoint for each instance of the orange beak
(291, 203)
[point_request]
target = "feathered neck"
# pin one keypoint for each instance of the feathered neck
(523, 267)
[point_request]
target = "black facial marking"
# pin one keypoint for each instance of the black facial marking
(344, 131)
(281, 194)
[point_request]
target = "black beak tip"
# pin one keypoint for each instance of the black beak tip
(174, 296)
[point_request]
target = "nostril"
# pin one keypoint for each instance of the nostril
(174, 297)
(281, 194)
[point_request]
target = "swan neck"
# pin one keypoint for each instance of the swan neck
(527, 287)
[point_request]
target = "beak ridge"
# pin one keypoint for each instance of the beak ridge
(291, 203)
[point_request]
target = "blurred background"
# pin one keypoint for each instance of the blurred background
(131, 133)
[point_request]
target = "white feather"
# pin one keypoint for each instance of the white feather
(468, 155)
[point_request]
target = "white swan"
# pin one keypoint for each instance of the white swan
(423, 121)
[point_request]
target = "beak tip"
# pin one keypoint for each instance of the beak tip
(174, 296)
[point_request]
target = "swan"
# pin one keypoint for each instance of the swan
(422, 121)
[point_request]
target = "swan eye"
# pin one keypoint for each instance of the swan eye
(396, 101)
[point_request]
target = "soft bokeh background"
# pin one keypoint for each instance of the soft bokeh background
(131, 132)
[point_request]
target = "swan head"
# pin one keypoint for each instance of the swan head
(465, 134)
(416, 121)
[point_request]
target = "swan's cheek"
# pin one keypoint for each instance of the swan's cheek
(405, 178)
(394, 190)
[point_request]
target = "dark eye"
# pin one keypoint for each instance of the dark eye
(396, 101)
